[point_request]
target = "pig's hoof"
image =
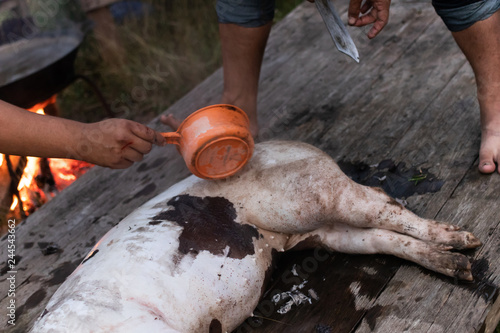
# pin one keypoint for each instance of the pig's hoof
(451, 264)
(464, 275)
(472, 241)
(457, 265)
(466, 240)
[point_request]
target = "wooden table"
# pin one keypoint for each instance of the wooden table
(408, 107)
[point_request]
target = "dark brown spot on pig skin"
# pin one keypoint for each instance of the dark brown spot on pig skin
(215, 326)
(209, 224)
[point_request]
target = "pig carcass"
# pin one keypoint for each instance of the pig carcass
(195, 258)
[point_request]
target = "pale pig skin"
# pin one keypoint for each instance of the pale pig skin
(195, 258)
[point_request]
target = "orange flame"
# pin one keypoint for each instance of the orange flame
(25, 186)
(42, 105)
(1, 159)
(14, 203)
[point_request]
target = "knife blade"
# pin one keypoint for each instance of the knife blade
(337, 29)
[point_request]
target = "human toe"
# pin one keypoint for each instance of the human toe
(487, 167)
(489, 152)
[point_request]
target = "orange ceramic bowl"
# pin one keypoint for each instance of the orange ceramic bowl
(214, 141)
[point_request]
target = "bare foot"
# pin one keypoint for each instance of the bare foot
(170, 121)
(489, 153)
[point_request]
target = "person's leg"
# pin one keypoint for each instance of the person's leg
(242, 53)
(481, 45)
(244, 27)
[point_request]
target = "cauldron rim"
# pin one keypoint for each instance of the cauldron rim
(71, 40)
(43, 81)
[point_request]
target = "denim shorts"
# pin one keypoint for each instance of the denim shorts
(461, 14)
(245, 13)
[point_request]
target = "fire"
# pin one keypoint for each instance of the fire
(29, 173)
(35, 190)
(34, 187)
(67, 171)
(1, 159)
(28, 196)
(43, 179)
(14, 203)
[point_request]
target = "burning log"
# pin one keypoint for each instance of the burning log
(26, 183)
(45, 179)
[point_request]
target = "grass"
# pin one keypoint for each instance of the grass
(165, 54)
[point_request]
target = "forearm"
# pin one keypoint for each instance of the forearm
(30, 134)
(114, 143)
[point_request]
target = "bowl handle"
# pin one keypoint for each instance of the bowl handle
(172, 137)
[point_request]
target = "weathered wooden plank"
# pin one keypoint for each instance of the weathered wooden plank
(325, 107)
(493, 318)
(446, 140)
(351, 107)
(443, 306)
(346, 286)
(365, 112)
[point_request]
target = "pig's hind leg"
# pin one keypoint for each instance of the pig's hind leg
(348, 239)
(373, 208)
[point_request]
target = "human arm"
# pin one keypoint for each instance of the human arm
(114, 143)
